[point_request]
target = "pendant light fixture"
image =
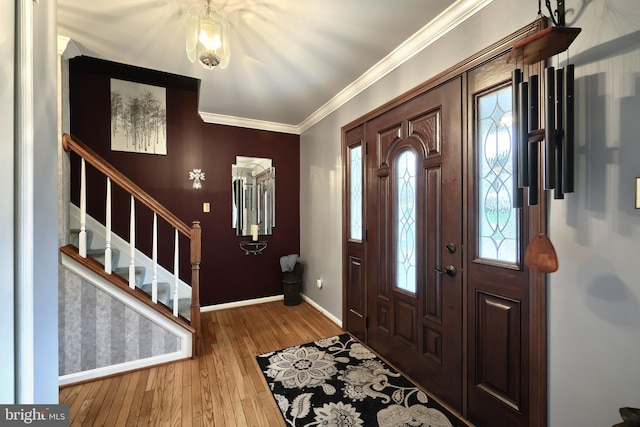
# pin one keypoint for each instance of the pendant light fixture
(207, 37)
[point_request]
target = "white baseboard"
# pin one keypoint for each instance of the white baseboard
(243, 303)
(119, 368)
(318, 307)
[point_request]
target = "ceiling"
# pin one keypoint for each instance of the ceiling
(292, 61)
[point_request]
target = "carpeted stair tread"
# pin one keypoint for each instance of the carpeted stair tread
(184, 307)
(164, 291)
(74, 237)
(98, 255)
(139, 274)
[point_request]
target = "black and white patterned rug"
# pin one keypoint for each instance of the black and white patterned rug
(337, 381)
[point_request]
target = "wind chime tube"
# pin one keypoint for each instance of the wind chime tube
(523, 134)
(559, 159)
(533, 147)
(549, 130)
(568, 119)
(516, 78)
(533, 103)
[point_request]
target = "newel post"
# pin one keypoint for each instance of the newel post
(196, 255)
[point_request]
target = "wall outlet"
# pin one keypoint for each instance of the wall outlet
(319, 283)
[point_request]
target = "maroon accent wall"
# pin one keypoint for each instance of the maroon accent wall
(226, 274)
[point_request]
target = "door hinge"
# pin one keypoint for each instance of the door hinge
(366, 235)
(366, 322)
(366, 148)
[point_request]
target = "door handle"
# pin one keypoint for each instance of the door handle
(449, 270)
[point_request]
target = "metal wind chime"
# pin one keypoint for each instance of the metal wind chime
(557, 137)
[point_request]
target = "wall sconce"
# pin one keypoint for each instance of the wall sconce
(196, 176)
(557, 136)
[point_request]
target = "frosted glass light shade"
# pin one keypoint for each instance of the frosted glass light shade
(207, 37)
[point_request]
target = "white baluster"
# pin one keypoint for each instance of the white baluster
(107, 250)
(132, 245)
(154, 255)
(176, 274)
(82, 237)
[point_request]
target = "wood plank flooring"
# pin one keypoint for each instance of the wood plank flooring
(223, 387)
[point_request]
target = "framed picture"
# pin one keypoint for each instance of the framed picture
(138, 117)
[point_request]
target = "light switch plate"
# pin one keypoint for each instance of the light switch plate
(206, 207)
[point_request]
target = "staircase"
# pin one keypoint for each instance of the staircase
(95, 251)
(165, 292)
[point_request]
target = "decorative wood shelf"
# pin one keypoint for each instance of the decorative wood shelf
(253, 247)
(543, 44)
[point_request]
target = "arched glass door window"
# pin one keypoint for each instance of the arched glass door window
(405, 227)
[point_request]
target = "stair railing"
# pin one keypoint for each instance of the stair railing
(193, 232)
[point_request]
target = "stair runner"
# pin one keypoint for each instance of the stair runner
(165, 296)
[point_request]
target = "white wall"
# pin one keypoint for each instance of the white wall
(45, 209)
(594, 298)
(7, 20)
(34, 376)
(594, 309)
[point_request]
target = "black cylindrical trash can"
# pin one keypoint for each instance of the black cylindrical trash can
(292, 285)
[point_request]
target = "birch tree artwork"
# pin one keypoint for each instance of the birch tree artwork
(138, 118)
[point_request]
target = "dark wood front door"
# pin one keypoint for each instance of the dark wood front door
(414, 255)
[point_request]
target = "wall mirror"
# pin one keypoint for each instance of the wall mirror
(253, 189)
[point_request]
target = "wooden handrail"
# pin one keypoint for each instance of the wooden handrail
(193, 233)
(71, 143)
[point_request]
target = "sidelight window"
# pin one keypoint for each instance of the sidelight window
(355, 192)
(498, 231)
(405, 207)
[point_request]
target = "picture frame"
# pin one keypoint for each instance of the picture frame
(138, 117)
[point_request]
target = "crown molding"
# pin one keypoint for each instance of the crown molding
(248, 123)
(441, 25)
(67, 48)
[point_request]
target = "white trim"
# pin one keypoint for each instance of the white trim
(248, 123)
(439, 26)
(67, 48)
(442, 24)
(243, 303)
(24, 215)
(119, 368)
(318, 307)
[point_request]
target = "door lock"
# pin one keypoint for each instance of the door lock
(449, 270)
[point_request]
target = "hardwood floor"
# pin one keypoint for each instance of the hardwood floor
(223, 387)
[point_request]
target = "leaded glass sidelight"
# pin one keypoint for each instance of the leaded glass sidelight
(355, 192)
(498, 220)
(405, 207)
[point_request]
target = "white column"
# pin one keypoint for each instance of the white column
(176, 273)
(82, 237)
(154, 256)
(132, 244)
(107, 251)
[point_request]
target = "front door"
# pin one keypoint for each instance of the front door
(414, 257)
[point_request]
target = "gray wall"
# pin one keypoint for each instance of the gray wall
(97, 330)
(7, 19)
(45, 209)
(35, 324)
(594, 309)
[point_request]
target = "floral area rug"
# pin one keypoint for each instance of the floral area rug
(339, 382)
